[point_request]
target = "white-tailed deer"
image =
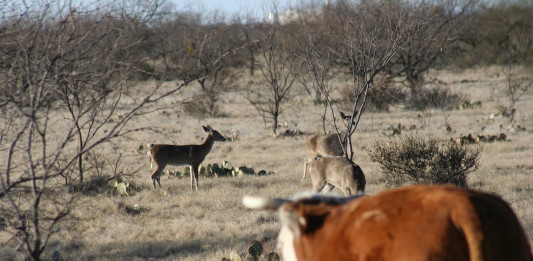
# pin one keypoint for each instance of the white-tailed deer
(346, 118)
(162, 155)
(323, 145)
(328, 172)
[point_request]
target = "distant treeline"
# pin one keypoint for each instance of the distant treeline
(183, 44)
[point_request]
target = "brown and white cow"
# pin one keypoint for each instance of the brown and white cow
(411, 223)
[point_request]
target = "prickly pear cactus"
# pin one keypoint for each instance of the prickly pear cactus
(113, 183)
(255, 248)
(246, 170)
(215, 169)
(56, 256)
(225, 169)
(233, 256)
(271, 256)
(122, 188)
(227, 165)
(119, 188)
(236, 173)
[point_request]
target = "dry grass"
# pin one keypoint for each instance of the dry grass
(178, 224)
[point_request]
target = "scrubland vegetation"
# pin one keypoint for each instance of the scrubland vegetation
(435, 92)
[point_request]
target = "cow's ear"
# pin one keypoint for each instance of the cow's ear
(305, 217)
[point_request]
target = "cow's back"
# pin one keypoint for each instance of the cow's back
(417, 223)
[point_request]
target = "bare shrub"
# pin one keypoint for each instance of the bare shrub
(435, 98)
(368, 35)
(280, 67)
(65, 69)
(209, 67)
(412, 159)
(201, 107)
(189, 47)
(435, 39)
(379, 98)
(102, 168)
(514, 89)
(497, 33)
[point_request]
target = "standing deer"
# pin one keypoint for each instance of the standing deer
(162, 155)
(328, 172)
(323, 145)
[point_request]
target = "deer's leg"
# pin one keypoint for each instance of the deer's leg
(319, 190)
(327, 188)
(195, 172)
(348, 191)
(191, 170)
(306, 162)
(156, 175)
(318, 185)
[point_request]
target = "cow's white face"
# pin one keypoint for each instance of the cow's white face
(286, 244)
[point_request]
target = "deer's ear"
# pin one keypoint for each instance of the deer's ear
(207, 128)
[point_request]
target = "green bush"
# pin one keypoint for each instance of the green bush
(411, 159)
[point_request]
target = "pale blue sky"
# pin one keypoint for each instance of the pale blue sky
(231, 7)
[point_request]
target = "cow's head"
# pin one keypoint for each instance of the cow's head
(298, 217)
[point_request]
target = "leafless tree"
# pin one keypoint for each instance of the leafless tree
(64, 69)
(515, 87)
(191, 49)
(436, 37)
(280, 67)
(498, 32)
(368, 35)
(60, 61)
(318, 57)
(174, 39)
(247, 26)
(214, 78)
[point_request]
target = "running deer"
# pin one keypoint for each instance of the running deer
(328, 172)
(162, 155)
